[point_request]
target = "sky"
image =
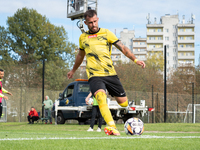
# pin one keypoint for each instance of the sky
(113, 15)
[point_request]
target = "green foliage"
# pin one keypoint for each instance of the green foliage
(4, 51)
(34, 38)
(155, 61)
(133, 77)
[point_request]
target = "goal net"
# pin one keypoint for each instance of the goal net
(189, 115)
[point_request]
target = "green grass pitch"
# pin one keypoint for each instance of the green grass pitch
(22, 136)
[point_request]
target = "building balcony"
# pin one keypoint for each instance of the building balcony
(155, 49)
(186, 41)
(154, 33)
(186, 33)
(186, 57)
(186, 49)
(139, 46)
(154, 41)
(140, 53)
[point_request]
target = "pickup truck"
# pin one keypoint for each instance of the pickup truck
(71, 105)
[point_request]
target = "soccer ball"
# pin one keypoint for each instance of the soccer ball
(134, 126)
(90, 101)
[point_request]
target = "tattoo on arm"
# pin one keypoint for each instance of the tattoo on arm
(119, 45)
(125, 50)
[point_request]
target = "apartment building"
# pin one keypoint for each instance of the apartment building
(140, 48)
(179, 38)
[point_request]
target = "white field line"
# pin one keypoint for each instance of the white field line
(93, 138)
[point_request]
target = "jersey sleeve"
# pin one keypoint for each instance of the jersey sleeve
(1, 95)
(111, 37)
(80, 44)
(4, 91)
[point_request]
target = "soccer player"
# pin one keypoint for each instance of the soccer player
(96, 44)
(2, 90)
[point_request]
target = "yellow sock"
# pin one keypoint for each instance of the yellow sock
(124, 104)
(105, 112)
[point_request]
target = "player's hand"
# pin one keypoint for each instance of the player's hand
(86, 101)
(70, 74)
(141, 63)
(9, 93)
(5, 97)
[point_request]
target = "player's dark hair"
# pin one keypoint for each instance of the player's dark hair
(32, 107)
(1, 70)
(90, 13)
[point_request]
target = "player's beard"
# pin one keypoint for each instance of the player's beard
(94, 29)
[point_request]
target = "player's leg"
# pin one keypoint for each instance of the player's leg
(46, 115)
(122, 101)
(92, 119)
(98, 89)
(116, 90)
(1, 109)
(100, 118)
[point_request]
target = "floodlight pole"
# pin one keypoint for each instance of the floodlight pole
(165, 84)
(193, 118)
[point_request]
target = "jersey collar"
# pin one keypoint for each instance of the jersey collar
(94, 32)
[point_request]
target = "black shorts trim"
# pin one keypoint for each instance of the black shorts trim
(110, 83)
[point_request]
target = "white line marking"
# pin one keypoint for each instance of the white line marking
(93, 138)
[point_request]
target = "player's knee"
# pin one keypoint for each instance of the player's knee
(101, 98)
(124, 104)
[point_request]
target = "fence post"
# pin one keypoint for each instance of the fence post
(193, 103)
(152, 106)
(43, 87)
(165, 84)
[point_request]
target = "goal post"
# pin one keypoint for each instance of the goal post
(192, 115)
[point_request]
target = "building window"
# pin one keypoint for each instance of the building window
(166, 30)
(189, 45)
(174, 26)
(189, 38)
(181, 46)
(159, 38)
(159, 30)
(174, 50)
(181, 38)
(174, 34)
(142, 50)
(174, 42)
(152, 38)
(167, 46)
(152, 46)
(181, 30)
(136, 43)
(142, 43)
(151, 30)
(188, 30)
(174, 66)
(174, 58)
(166, 38)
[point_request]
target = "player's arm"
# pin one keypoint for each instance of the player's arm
(5, 91)
(127, 52)
(78, 61)
(87, 98)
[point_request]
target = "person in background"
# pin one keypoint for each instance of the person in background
(48, 104)
(95, 112)
(33, 116)
(2, 90)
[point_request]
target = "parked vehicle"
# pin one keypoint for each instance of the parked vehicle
(71, 105)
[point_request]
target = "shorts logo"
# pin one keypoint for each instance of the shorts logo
(92, 36)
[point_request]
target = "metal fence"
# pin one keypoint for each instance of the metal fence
(25, 83)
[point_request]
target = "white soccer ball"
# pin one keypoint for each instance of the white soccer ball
(134, 126)
(90, 101)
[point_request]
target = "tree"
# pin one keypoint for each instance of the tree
(5, 54)
(34, 38)
(155, 60)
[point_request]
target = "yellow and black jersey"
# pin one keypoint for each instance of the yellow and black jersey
(98, 48)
